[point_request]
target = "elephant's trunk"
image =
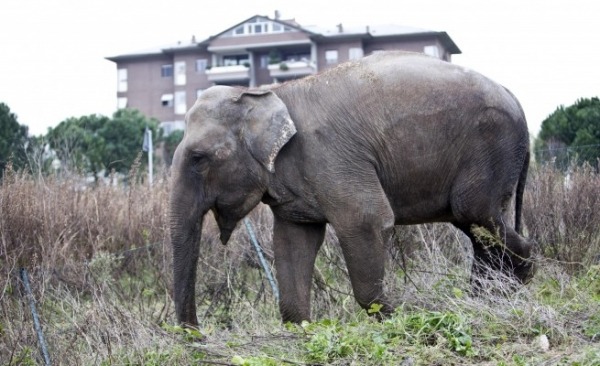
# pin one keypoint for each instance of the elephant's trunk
(187, 209)
(185, 240)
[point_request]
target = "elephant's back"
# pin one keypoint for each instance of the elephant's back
(426, 84)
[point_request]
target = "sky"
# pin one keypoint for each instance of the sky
(53, 66)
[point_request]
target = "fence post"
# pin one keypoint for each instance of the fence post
(36, 319)
(263, 262)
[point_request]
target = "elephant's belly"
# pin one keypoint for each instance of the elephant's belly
(419, 210)
(299, 212)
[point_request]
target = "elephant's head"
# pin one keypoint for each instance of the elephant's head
(222, 164)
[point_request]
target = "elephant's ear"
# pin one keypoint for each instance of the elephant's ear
(267, 125)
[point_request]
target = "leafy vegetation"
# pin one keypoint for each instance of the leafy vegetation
(170, 144)
(99, 264)
(571, 133)
(13, 137)
(94, 144)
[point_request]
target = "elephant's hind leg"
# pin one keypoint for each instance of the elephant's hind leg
(480, 199)
(498, 247)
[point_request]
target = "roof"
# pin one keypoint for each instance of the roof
(315, 32)
(377, 30)
(382, 31)
(156, 51)
(288, 23)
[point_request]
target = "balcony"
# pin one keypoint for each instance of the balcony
(223, 74)
(292, 69)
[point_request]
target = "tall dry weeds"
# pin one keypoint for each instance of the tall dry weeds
(562, 214)
(99, 262)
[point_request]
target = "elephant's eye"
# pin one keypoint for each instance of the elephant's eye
(196, 156)
(198, 160)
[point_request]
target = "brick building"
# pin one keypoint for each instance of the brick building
(164, 82)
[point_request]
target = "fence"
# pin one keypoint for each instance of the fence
(564, 157)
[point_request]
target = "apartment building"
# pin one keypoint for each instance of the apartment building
(164, 82)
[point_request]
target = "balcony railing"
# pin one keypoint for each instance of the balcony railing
(292, 69)
(228, 73)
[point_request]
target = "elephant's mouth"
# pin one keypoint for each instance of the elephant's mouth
(225, 235)
(226, 226)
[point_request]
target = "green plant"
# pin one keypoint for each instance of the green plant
(424, 328)
(591, 327)
(102, 265)
(283, 66)
(274, 57)
(24, 357)
(189, 334)
(328, 340)
(253, 361)
(591, 357)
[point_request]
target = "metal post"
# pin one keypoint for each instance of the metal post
(36, 320)
(263, 262)
(150, 153)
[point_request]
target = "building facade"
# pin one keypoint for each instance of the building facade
(163, 83)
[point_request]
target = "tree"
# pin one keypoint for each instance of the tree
(13, 140)
(77, 143)
(571, 133)
(94, 144)
(123, 136)
(170, 144)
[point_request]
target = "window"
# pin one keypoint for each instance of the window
(259, 26)
(166, 100)
(232, 60)
(180, 104)
(180, 73)
(122, 80)
(166, 71)
(331, 57)
(169, 127)
(355, 53)
(229, 61)
(433, 51)
(201, 64)
(121, 103)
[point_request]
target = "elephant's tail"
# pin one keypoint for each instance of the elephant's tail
(519, 194)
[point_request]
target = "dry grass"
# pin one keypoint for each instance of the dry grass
(562, 214)
(99, 263)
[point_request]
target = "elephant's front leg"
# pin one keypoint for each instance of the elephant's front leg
(296, 247)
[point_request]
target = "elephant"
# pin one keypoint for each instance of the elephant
(395, 138)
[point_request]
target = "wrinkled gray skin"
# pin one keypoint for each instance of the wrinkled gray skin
(395, 138)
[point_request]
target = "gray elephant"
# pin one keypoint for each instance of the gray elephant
(392, 139)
